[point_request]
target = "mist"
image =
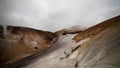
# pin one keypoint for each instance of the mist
(54, 15)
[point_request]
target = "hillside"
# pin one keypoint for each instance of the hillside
(95, 47)
(92, 31)
(20, 42)
(102, 50)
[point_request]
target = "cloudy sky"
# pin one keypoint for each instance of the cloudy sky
(53, 15)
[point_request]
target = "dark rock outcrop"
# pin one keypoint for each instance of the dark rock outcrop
(1, 31)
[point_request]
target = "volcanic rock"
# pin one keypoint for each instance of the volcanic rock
(20, 42)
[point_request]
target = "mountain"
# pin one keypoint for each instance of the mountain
(102, 50)
(96, 47)
(75, 47)
(20, 42)
(92, 31)
(71, 30)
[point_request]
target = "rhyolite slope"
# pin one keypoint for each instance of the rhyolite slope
(20, 42)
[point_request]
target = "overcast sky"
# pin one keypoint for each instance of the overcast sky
(53, 15)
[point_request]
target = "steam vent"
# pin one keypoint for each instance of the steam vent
(20, 42)
(95, 47)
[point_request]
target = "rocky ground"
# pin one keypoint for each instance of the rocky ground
(95, 47)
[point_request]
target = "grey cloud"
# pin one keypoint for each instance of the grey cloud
(53, 15)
